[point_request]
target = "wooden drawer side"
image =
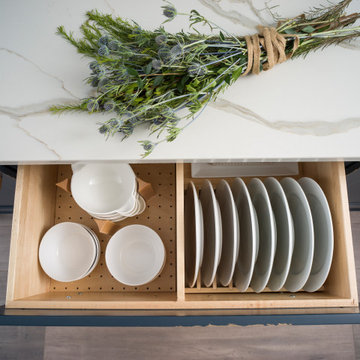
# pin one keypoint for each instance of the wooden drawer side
(34, 209)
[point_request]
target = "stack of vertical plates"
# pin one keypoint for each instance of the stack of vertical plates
(274, 234)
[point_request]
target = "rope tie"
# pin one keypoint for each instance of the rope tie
(274, 45)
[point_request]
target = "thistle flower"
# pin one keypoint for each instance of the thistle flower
(126, 129)
(104, 81)
(175, 52)
(196, 69)
(161, 39)
(104, 40)
(164, 53)
(109, 105)
(115, 122)
(92, 105)
(159, 120)
(129, 117)
(103, 129)
(147, 145)
(94, 82)
(94, 66)
(169, 11)
(103, 50)
(114, 45)
(156, 64)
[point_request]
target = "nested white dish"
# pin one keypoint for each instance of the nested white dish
(67, 252)
(135, 255)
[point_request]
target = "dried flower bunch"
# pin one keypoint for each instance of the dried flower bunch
(147, 77)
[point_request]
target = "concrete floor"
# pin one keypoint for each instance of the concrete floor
(230, 342)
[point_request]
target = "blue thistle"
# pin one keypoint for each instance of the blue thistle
(126, 129)
(164, 53)
(94, 82)
(104, 81)
(156, 64)
(104, 40)
(130, 117)
(94, 66)
(161, 39)
(176, 51)
(114, 45)
(103, 129)
(196, 69)
(115, 122)
(103, 50)
(109, 106)
(159, 120)
(169, 11)
(92, 105)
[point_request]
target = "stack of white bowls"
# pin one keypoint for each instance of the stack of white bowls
(69, 252)
(106, 191)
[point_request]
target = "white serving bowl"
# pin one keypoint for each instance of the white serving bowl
(104, 189)
(135, 255)
(67, 252)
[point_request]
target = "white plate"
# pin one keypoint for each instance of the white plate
(304, 235)
(212, 233)
(67, 252)
(249, 235)
(284, 234)
(135, 255)
(230, 233)
(194, 235)
(323, 234)
(267, 235)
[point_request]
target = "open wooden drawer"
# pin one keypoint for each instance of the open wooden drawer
(39, 204)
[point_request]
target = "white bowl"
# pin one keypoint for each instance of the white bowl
(101, 188)
(135, 255)
(67, 252)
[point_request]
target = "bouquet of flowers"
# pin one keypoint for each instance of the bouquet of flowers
(165, 80)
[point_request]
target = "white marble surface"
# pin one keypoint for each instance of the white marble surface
(302, 109)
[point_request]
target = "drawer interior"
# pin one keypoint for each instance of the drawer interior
(39, 204)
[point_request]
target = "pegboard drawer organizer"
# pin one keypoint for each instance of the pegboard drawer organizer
(39, 204)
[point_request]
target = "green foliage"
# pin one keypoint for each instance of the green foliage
(146, 77)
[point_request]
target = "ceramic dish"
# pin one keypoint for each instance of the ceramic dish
(194, 235)
(67, 252)
(135, 255)
(284, 234)
(249, 235)
(304, 235)
(230, 233)
(98, 249)
(267, 235)
(102, 188)
(212, 233)
(323, 234)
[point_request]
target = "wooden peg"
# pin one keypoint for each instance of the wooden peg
(65, 185)
(106, 227)
(145, 189)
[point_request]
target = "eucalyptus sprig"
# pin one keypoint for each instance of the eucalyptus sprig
(147, 77)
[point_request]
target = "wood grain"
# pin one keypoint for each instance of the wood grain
(210, 343)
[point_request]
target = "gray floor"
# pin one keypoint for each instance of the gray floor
(231, 342)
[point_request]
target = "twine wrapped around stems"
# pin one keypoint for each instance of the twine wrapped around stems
(273, 43)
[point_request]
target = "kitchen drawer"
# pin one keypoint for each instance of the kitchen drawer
(39, 204)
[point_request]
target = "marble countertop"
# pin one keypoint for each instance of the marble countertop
(302, 109)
